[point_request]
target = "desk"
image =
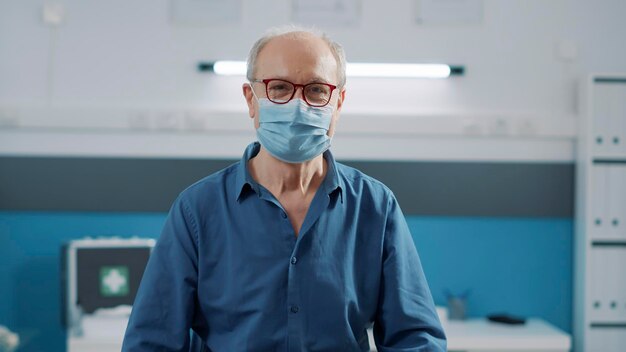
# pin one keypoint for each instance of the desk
(482, 335)
(474, 335)
(93, 344)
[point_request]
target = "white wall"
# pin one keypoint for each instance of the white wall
(126, 60)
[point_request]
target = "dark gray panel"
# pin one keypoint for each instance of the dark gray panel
(84, 184)
(609, 161)
(609, 80)
(478, 189)
(422, 188)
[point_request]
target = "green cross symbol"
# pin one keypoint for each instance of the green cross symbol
(113, 281)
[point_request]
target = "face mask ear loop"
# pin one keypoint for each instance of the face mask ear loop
(253, 93)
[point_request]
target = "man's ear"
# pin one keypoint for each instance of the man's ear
(250, 100)
(342, 97)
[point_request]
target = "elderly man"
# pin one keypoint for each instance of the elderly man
(287, 250)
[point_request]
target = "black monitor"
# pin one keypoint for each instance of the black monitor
(102, 273)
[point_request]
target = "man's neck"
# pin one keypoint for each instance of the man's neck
(281, 178)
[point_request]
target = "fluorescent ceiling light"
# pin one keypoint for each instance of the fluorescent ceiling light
(230, 68)
(398, 70)
(238, 68)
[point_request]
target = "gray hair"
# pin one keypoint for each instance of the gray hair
(272, 33)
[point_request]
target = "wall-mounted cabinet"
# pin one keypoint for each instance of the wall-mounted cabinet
(600, 273)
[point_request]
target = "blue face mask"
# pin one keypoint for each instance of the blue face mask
(293, 132)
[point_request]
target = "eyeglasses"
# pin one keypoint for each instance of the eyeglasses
(280, 91)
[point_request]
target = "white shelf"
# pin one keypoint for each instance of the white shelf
(93, 131)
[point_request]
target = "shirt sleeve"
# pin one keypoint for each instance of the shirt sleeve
(165, 303)
(406, 318)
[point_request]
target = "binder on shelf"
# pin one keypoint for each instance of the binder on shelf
(595, 288)
(615, 141)
(600, 202)
(600, 118)
(608, 286)
(621, 202)
(613, 275)
(601, 339)
(615, 193)
(609, 120)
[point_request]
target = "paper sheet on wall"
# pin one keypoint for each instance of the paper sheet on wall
(326, 13)
(205, 12)
(449, 12)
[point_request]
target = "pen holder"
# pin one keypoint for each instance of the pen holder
(456, 308)
(457, 304)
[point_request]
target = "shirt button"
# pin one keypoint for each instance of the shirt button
(283, 214)
(294, 260)
(294, 309)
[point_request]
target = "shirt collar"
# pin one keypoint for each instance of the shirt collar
(245, 182)
(332, 181)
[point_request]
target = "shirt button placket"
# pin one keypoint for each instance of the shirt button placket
(293, 308)
(293, 294)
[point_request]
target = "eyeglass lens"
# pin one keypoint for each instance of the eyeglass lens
(315, 94)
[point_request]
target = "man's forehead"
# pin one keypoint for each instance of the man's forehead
(297, 38)
(301, 43)
(297, 52)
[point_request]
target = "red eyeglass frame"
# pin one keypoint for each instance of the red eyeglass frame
(295, 85)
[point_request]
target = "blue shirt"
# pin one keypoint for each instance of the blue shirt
(229, 266)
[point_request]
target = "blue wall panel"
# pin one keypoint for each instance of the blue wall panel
(517, 266)
(30, 298)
